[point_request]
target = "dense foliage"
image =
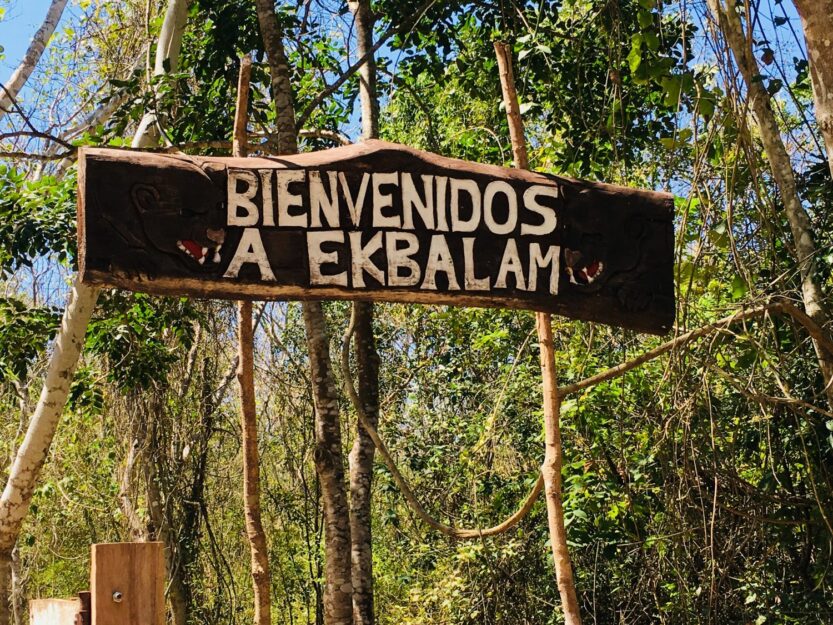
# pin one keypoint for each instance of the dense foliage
(698, 488)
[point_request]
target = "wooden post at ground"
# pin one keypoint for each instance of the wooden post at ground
(127, 582)
(258, 545)
(551, 469)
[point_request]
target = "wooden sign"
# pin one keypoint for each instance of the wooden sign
(376, 221)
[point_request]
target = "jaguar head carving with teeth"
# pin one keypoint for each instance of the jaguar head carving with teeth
(189, 227)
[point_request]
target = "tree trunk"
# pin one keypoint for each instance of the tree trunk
(329, 463)
(251, 469)
(8, 94)
(817, 20)
(261, 577)
(551, 468)
(551, 472)
(361, 466)
(364, 24)
(287, 140)
(159, 510)
(361, 456)
(329, 459)
(782, 171)
(6, 614)
(23, 475)
(167, 60)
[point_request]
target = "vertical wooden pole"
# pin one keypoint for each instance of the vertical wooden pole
(551, 469)
(248, 414)
(127, 582)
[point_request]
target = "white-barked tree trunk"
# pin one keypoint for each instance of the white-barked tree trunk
(13, 85)
(30, 457)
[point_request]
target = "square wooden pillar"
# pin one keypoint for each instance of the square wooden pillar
(128, 584)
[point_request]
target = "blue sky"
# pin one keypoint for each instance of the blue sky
(20, 21)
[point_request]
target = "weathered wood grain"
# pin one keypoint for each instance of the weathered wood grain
(128, 584)
(614, 244)
(53, 611)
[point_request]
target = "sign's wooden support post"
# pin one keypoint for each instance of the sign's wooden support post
(128, 584)
(248, 413)
(553, 456)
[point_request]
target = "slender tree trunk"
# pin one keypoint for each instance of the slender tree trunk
(364, 23)
(361, 456)
(553, 458)
(329, 464)
(782, 171)
(167, 60)
(287, 140)
(18, 590)
(361, 467)
(551, 472)
(8, 94)
(251, 470)
(817, 20)
(261, 578)
(159, 510)
(329, 459)
(23, 475)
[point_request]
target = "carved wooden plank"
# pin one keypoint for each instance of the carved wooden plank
(376, 221)
(53, 611)
(128, 584)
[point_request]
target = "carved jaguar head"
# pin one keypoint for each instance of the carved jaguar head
(183, 219)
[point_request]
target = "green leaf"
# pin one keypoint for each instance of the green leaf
(706, 105)
(634, 59)
(672, 86)
(739, 288)
(719, 236)
(645, 19)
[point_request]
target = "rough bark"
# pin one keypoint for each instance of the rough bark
(782, 171)
(159, 510)
(361, 466)
(329, 459)
(363, 25)
(8, 94)
(167, 60)
(251, 469)
(329, 464)
(553, 460)
(361, 456)
(817, 20)
(287, 132)
(6, 613)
